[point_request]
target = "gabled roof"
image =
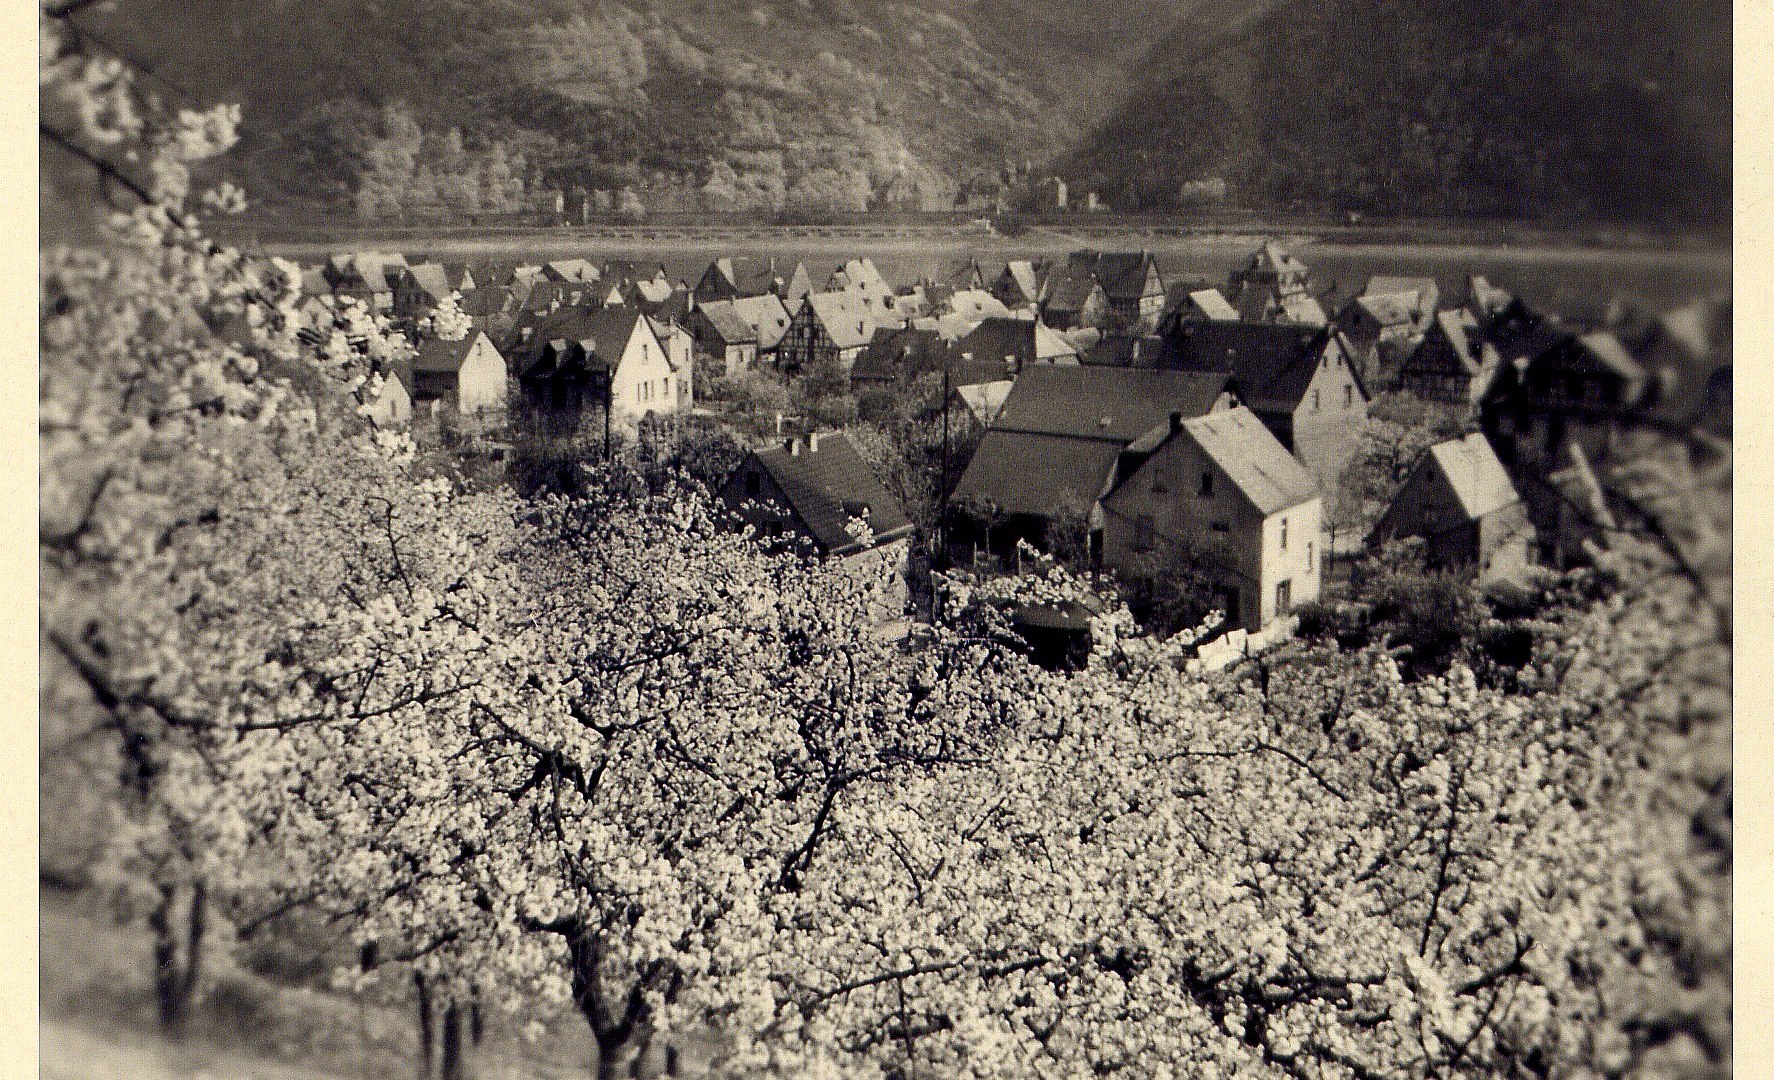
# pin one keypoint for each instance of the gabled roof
(1472, 471)
(767, 316)
(1460, 328)
(1606, 348)
(1028, 340)
(603, 334)
(575, 270)
(1069, 288)
(731, 327)
(1259, 467)
(431, 279)
(1115, 405)
(1388, 309)
(435, 356)
(1021, 273)
(976, 304)
(985, 400)
(849, 324)
(1123, 274)
(1124, 350)
(1274, 259)
(1029, 473)
(1213, 304)
(826, 484)
(1272, 363)
(897, 352)
(1303, 309)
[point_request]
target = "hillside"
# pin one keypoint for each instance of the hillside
(396, 110)
(464, 105)
(1567, 110)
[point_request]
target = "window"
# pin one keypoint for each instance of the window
(1309, 561)
(1284, 534)
(1220, 527)
(1207, 485)
(1314, 400)
(1142, 533)
(1348, 395)
(1284, 598)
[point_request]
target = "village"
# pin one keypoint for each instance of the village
(1240, 447)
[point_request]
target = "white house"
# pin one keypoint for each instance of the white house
(469, 375)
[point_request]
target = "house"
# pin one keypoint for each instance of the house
(1454, 362)
(1124, 350)
(1297, 379)
(419, 289)
(972, 305)
(831, 328)
(768, 317)
(1381, 329)
(1554, 387)
(1017, 342)
(571, 271)
(1218, 496)
(724, 336)
(898, 355)
(392, 406)
(1207, 305)
(582, 358)
(728, 279)
(467, 375)
(1687, 351)
(679, 353)
(863, 282)
(965, 274)
(1459, 501)
(1018, 285)
(1072, 296)
(1273, 286)
(1134, 288)
(1054, 446)
(983, 401)
(1421, 294)
(816, 493)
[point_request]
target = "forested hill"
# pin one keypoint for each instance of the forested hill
(698, 104)
(399, 108)
(1584, 109)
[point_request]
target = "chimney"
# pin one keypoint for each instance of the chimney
(793, 446)
(779, 421)
(1176, 422)
(812, 442)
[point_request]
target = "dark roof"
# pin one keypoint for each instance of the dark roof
(1112, 405)
(1124, 350)
(1026, 473)
(827, 484)
(1069, 286)
(904, 352)
(436, 356)
(603, 333)
(1254, 352)
(1123, 273)
(1000, 336)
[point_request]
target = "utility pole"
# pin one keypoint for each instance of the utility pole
(942, 506)
(609, 403)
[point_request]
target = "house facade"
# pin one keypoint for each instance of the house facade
(1298, 381)
(721, 335)
(815, 493)
(1219, 497)
(587, 358)
(467, 375)
(1453, 363)
(1460, 502)
(829, 329)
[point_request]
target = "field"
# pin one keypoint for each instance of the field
(1575, 275)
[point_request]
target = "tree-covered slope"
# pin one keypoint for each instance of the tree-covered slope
(1570, 108)
(691, 103)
